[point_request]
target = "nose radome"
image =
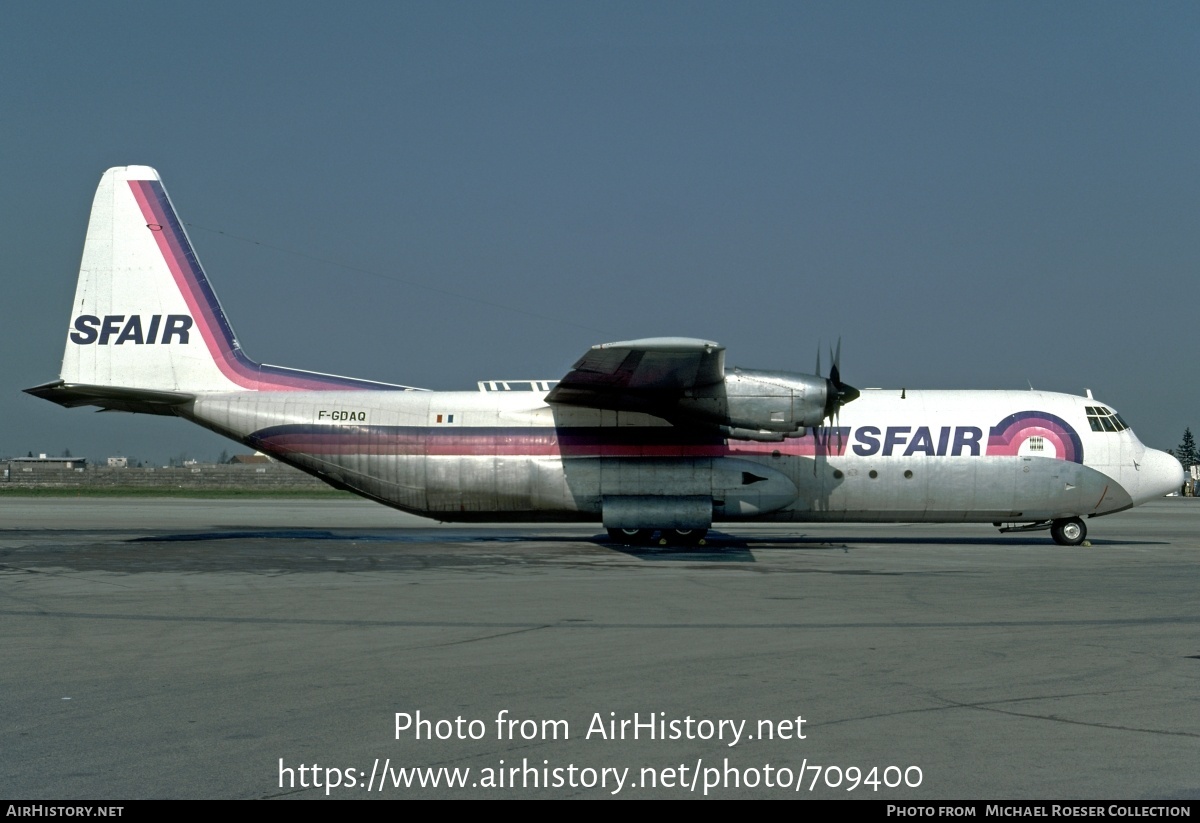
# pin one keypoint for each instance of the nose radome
(1160, 475)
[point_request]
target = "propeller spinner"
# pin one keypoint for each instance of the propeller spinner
(838, 393)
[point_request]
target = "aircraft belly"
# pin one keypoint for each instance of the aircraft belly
(845, 488)
(482, 483)
(949, 489)
(396, 480)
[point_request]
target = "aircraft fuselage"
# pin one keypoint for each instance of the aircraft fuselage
(994, 456)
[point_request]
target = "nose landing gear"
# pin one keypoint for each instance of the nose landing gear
(1069, 531)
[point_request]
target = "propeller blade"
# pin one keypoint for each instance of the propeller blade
(839, 393)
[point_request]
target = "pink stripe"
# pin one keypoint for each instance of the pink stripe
(367, 445)
(207, 315)
(183, 282)
(1010, 444)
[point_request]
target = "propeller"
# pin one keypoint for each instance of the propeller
(838, 393)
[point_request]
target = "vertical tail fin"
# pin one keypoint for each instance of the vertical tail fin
(144, 315)
(146, 323)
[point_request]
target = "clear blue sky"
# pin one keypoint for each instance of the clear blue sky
(972, 195)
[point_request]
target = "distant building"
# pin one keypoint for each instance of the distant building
(44, 462)
(118, 462)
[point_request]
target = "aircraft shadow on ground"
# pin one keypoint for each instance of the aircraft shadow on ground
(718, 546)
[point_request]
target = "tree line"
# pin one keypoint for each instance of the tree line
(1186, 452)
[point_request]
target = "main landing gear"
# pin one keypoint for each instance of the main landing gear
(631, 537)
(1069, 531)
(683, 537)
(668, 537)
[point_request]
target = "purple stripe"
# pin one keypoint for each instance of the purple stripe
(214, 326)
(1006, 436)
(582, 441)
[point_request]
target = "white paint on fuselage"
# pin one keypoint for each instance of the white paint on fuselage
(928, 451)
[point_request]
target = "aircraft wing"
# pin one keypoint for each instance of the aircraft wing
(647, 375)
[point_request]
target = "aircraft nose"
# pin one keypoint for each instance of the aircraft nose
(1160, 474)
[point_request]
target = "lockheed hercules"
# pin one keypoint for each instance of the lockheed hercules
(654, 438)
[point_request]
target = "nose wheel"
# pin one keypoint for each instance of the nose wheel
(1068, 532)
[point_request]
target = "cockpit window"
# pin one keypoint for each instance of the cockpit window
(1102, 419)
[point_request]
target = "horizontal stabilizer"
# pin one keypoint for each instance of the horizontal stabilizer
(111, 398)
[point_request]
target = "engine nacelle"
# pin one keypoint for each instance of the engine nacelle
(760, 401)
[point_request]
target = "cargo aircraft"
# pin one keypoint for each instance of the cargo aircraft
(656, 439)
